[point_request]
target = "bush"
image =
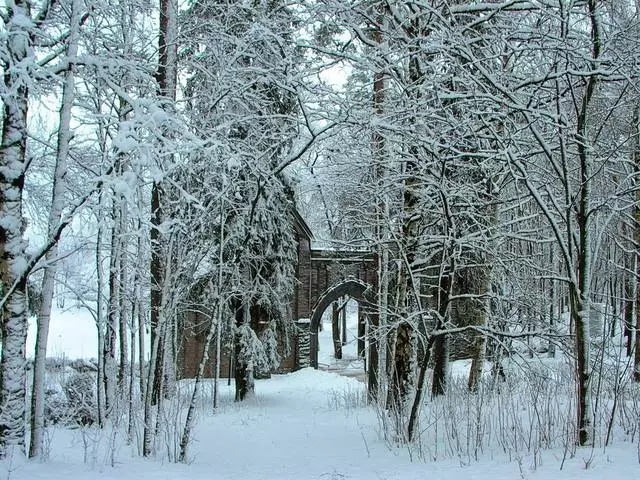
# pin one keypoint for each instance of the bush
(81, 399)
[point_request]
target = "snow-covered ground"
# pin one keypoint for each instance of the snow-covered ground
(350, 364)
(316, 425)
(306, 425)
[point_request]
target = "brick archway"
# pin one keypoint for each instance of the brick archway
(322, 274)
(362, 292)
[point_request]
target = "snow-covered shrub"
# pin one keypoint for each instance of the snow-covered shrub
(82, 365)
(56, 364)
(252, 352)
(269, 360)
(81, 399)
(55, 405)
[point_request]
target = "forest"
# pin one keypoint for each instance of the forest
(487, 152)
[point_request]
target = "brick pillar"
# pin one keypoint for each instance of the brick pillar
(304, 343)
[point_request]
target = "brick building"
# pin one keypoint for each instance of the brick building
(322, 276)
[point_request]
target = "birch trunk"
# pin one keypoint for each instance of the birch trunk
(12, 248)
(634, 262)
(191, 412)
(113, 314)
(100, 317)
(57, 205)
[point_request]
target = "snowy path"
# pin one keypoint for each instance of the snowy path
(307, 425)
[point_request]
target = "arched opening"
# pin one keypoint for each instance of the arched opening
(354, 289)
(341, 337)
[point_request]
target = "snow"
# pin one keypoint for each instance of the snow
(350, 364)
(306, 425)
(311, 424)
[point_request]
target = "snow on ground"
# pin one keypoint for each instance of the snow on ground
(350, 364)
(310, 424)
(306, 425)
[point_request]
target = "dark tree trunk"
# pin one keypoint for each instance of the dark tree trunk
(441, 342)
(343, 316)
(372, 367)
(401, 374)
(166, 77)
(335, 330)
(243, 368)
(361, 332)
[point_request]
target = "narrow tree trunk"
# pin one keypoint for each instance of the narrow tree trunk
(151, 414)
(440, 342)
(377, 321)
(629, 301)
(100, 323)
(417, 399)
(243, 361)
(581, 298)
(166, 76)
(335, 330)
(343, 316)
(140, 314)
(57, 204)
(480, 277)
(553, 298)
(131, 394)
(219, 308)
(361, 332)
(216, 375)
(636, 259)
(123, 321)
(113, 314)
(185, 439)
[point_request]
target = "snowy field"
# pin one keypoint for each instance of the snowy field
(317, 425)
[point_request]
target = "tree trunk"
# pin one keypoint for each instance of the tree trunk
(441, 342)
(400, 384)
(417, 400)
(335, 330)
(100, 324)
(123, 321)
(191, 411)
(166, 76)
(243, 353)
(140, 311)
(13, 165)
(361, 332)
(57, 204)
(113, 314)
(636, 256)
(131, 393)
(156, 368)
(343, 317)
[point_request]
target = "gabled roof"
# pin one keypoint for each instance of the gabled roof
(300, 225)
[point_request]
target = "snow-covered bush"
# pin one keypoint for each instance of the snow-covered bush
(251, 352)
(55, 405)
(269, 359)
(82, 365)
(81, 399)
